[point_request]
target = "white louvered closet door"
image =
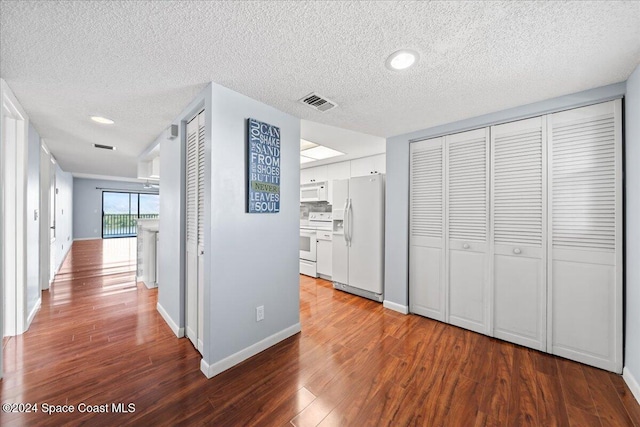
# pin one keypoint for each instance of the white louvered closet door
(585, 256)
(467, 229)
(518, 205)
(426, 241)
(194, 226)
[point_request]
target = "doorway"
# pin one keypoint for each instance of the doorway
(120, 210)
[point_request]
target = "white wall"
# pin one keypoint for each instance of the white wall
(632, 178)
(87, 204)
(397, 179)
(64, 216)
(252, 259)
(172, 228)
(33, 222)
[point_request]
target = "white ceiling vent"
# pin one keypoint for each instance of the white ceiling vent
(318, 102)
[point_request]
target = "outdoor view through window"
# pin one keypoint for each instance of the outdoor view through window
(120, 211)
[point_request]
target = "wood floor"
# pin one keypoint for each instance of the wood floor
(98, 339)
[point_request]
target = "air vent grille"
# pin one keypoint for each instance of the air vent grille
(318, 102)
(104, 147)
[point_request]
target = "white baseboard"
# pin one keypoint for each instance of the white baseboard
(173, 325)
(228, 362)
(395, 307)
(33, 312)
(631, 383)
(153, 286)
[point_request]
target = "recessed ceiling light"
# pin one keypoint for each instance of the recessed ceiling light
(304, 159)
(304, 144)
(321, 152)
(102, 120)
(402, 59)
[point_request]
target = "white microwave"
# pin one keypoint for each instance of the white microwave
(314, 192)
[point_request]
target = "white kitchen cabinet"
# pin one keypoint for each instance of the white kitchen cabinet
(341, 170)
(324, 254)
(147, 232)
(368, 165)
(315, 174)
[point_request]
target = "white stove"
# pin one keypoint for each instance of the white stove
(318, 221)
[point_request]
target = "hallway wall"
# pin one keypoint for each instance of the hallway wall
(64, 216)
(632, 153)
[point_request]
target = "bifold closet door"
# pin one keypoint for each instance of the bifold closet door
(427, 236)
(518, 203)
(194, 273)
(585, 257)
(467, 226)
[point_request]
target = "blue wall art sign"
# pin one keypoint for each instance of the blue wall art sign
(263, 167)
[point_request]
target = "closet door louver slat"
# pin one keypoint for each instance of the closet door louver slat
(426, 192)
(192, 180)
(200, 221)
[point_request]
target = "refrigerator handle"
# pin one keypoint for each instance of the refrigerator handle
(345, 219)
(349, 216)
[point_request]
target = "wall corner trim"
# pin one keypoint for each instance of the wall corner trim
(631, 383)
(220, 366)
(174, 327)
(395, 307)
(33, 313)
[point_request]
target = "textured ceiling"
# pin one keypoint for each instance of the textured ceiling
(141, 62)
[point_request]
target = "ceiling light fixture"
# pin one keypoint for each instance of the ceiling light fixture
(304, 144)
(102, 120)
(304, 159)
(321, 152)
(310, 152)
(402, 59)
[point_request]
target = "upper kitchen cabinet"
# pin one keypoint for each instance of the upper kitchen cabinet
(368, 165)
(340, 170)
(311, 175)
(335, 171)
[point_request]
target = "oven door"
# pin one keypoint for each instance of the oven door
(308, 245)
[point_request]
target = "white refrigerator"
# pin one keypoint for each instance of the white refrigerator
(358, 236)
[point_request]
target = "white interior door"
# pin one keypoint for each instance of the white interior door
(45, 248)
(585, 257)
(467, 225)
(52, 219)
(518, 203)
(426, 236)
(195, 230)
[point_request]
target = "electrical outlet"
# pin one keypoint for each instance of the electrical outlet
(259, 313)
